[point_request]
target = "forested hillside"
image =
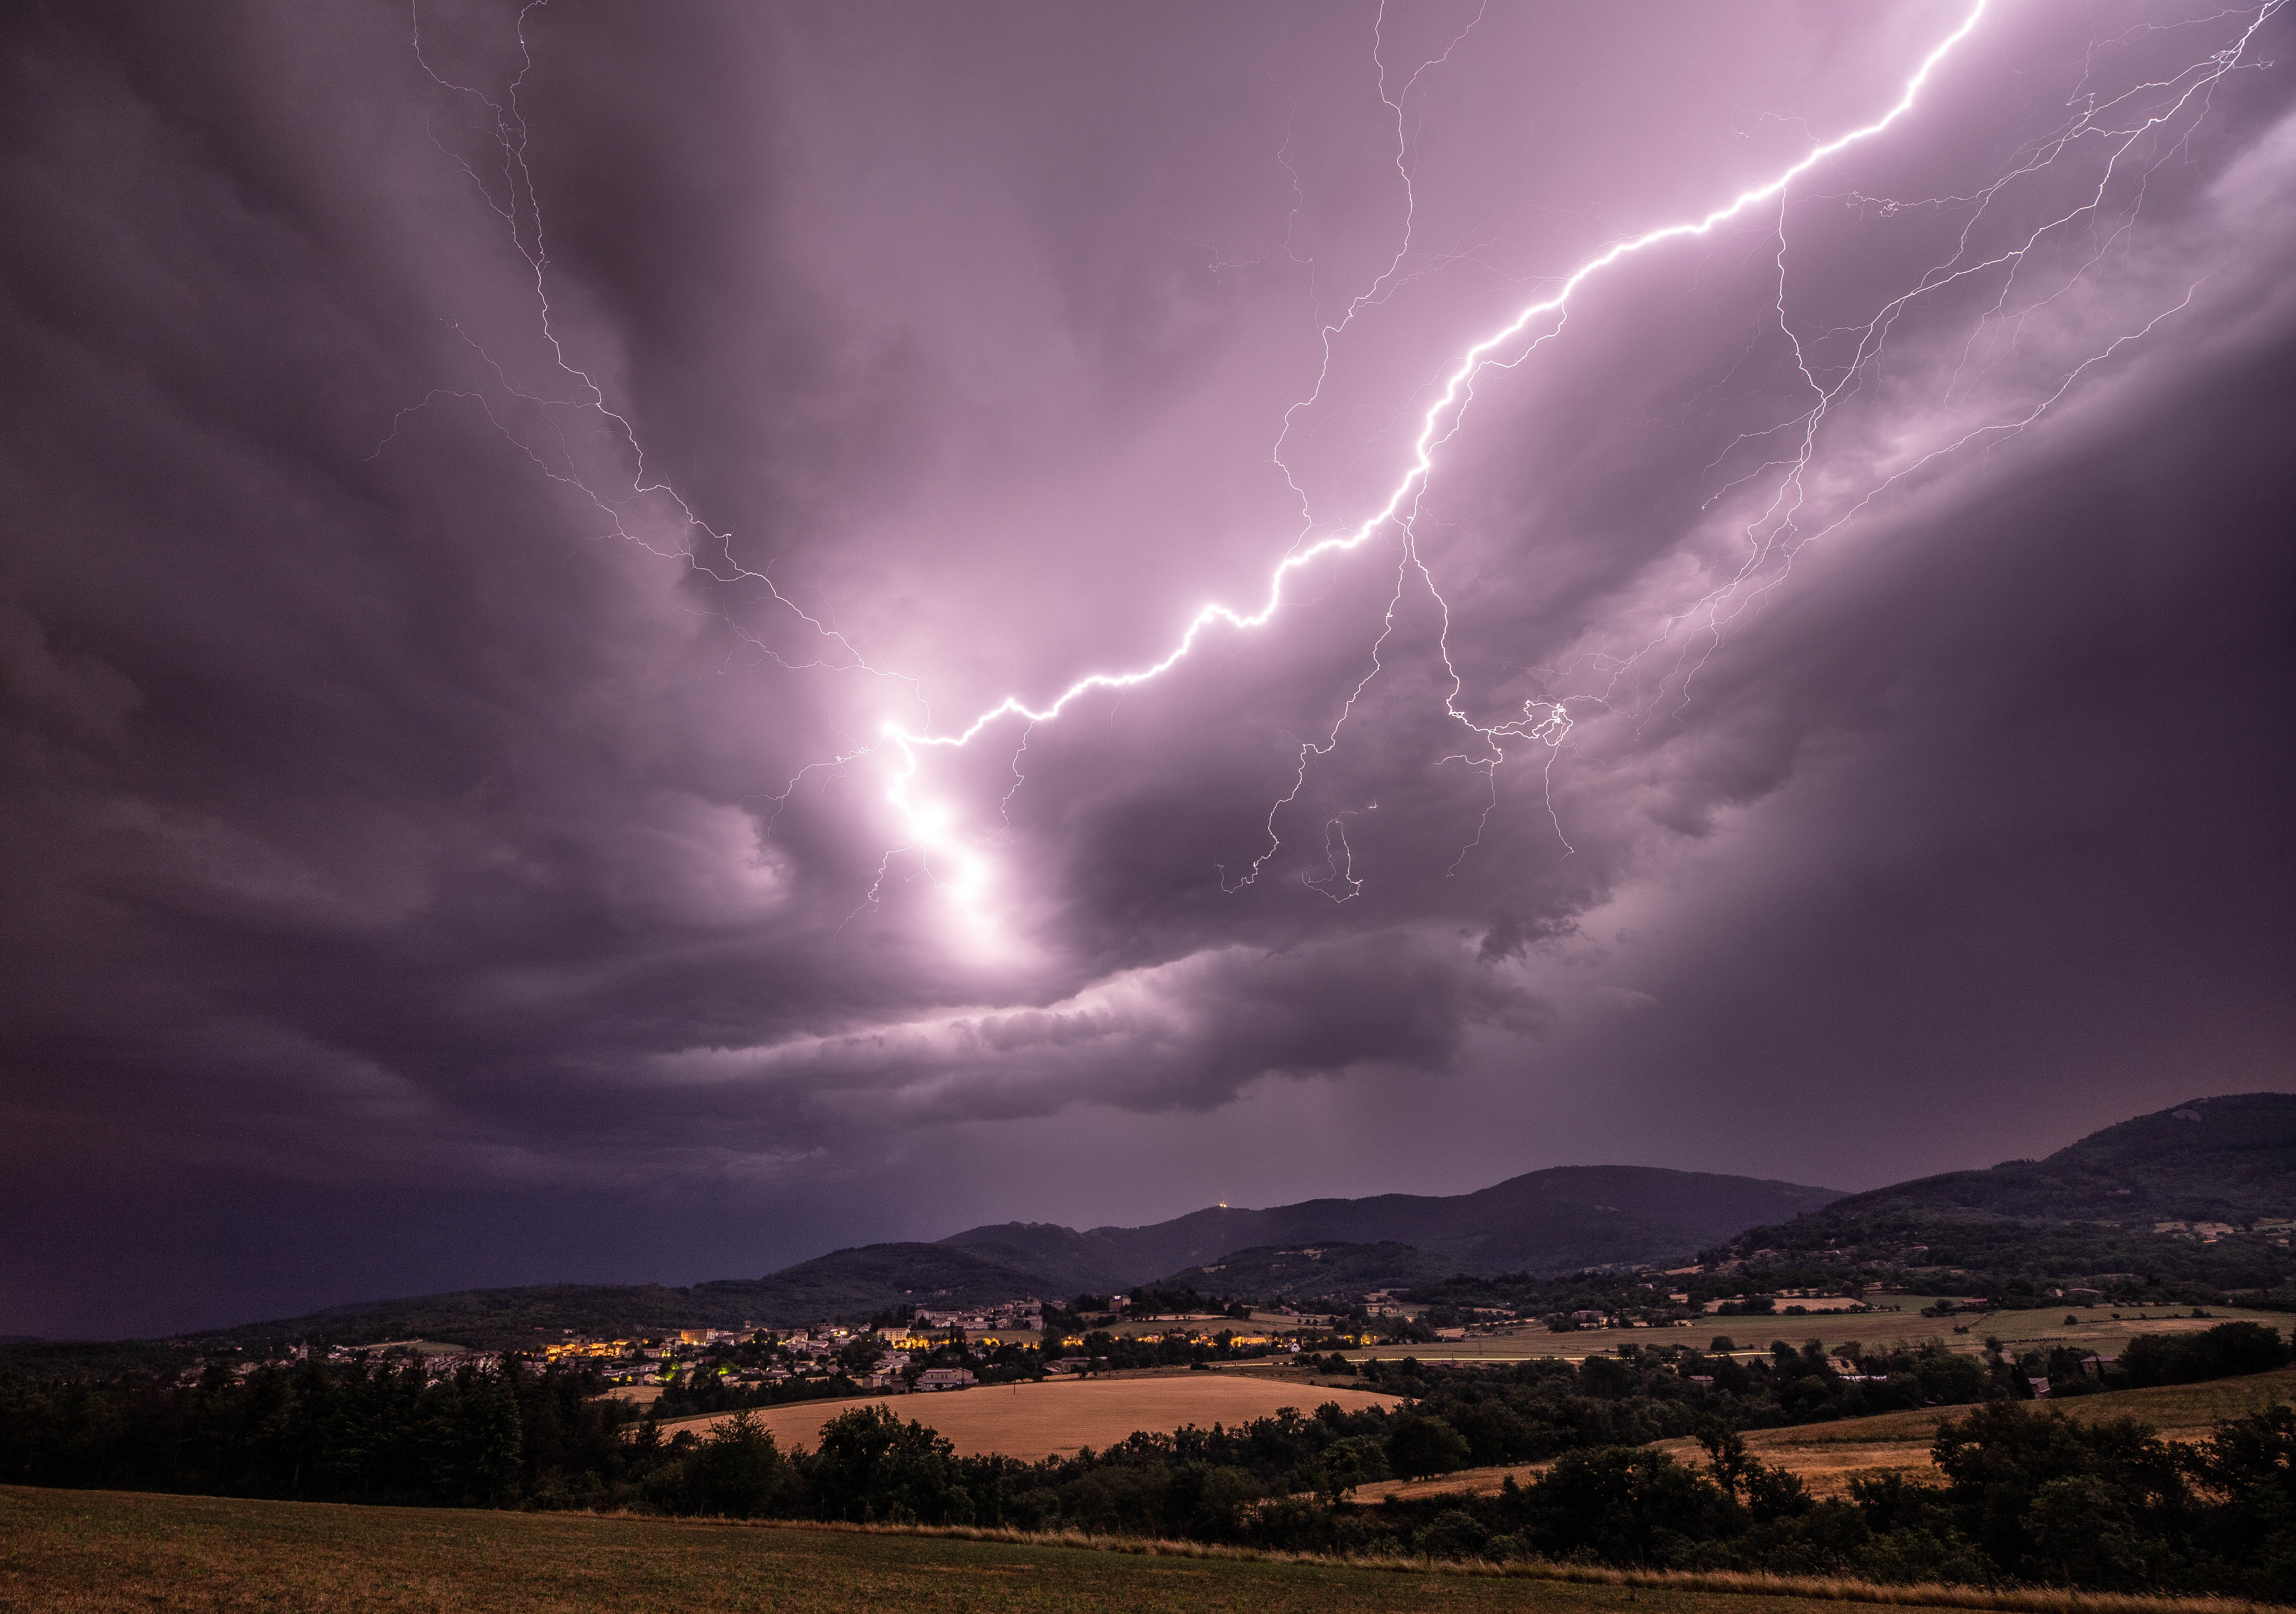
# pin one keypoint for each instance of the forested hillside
(2200, 1194)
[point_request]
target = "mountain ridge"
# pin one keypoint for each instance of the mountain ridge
(2176, 1195)
(2225, 1158)
(2096, 1205)
(1559, 1219)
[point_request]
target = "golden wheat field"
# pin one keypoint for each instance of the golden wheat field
(1825, 1456)
(1061, 1417)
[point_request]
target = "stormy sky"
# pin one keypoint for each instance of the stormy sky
(498, 503)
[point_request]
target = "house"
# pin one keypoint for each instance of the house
(945, 1378)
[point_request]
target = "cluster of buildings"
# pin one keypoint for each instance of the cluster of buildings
(1020, 1316)
(2275, 1229)
(676, 1342)
(795, 1353)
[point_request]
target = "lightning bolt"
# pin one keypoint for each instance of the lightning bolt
(930, 826)
(1777, 530)
(519, 208)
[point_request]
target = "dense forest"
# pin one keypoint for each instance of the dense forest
(2030, 1496)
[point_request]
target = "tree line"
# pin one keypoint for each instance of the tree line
(2028, 1495)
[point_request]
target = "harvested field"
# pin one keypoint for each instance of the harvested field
(1825, 1455)
(1826, 1466)
(1474, 1482)
(1034, 1421)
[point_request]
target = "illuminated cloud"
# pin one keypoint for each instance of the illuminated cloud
(467, 553)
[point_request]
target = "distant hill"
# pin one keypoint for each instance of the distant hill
(1555, 1221)
(849, 1283)
(1560, 1220)
(1343, 1272)
(2100, 1204)
(2216, 1160)
(854, 1283)
(2091, 1207)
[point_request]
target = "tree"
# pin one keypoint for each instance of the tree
(1725, 1454)
(2003, 1465)
(2249, 1464)
(1345, 1464)
(872, 1467)
(1622, 1504)
(2223, 1351)
(861, 1354)
(1418, 1447)
(738, 1472)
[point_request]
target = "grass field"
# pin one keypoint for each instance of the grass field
(1060, 1416)
(2093, 1330)
(111, 1553)
(1825, 1455)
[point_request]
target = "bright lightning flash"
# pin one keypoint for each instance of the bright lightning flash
(930, 834)
(931, 825)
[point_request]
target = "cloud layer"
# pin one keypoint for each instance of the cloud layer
(464, 549)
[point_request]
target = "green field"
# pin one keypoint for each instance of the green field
(106, 1552)
(2091, 1328)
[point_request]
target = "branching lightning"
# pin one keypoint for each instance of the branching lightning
(931, 832)
(1777, 530)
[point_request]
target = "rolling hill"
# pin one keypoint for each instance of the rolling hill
(1560, 1220)
(2096, 1207)
(2131, 1198)
(1339, 1273)
(2216, 1159)
(1555, 1221)
(850, 1283)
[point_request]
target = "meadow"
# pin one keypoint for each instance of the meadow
(2094, 1329)
(111, 1553)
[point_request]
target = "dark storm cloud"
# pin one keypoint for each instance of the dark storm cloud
(1187, 1035)
(413, 804)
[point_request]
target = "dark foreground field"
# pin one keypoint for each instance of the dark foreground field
(96, 1552)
